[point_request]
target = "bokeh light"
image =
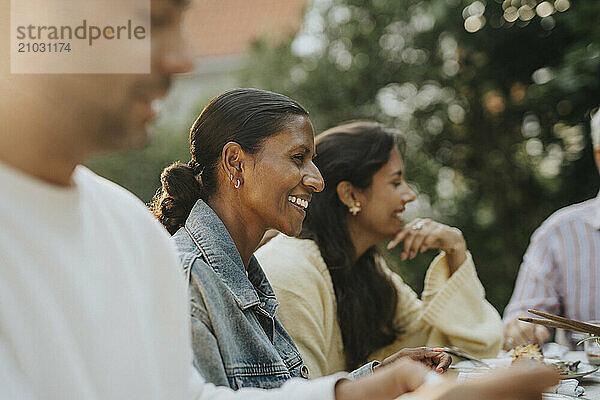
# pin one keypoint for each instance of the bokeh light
(562, 5)
(544, 9)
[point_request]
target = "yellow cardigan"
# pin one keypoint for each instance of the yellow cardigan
(453, 310)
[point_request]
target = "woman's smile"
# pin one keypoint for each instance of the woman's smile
(299, 203)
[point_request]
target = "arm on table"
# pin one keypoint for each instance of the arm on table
(535, 288)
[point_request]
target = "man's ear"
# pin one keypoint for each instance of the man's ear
(232, 160)
(347, 193)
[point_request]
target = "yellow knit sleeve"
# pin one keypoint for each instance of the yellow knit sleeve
(458, 311)
(453, 311)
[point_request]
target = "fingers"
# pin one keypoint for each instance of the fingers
(524, 333)
(432, 358)
(411, 229)
(398, 238)
(423, 234)
(416, 245)
(444, 361)
(541, 334)
(408, 244)
(437, 359)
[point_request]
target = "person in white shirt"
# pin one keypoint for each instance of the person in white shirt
(92, 302)
(560, 273)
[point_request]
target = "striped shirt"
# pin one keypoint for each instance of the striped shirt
(560, 273)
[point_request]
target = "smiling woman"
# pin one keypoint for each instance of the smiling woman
(338, 299)
(251, 169)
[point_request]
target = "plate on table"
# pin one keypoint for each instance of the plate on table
(583, 369)
(470, 366)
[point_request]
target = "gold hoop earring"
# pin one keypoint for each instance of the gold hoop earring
(237, 183)
(354, 209)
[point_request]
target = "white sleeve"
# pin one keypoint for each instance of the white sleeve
(12, 383)
(294, 389)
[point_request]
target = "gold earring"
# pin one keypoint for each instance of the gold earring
(354, 209)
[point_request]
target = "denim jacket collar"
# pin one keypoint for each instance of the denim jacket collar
(217, 247)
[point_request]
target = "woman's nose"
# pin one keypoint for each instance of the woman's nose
(314, 179)
(410, 194)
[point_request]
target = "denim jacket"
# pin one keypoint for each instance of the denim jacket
(237, 339)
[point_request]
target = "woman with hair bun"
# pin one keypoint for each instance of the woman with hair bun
(340, 302)
(251, 169)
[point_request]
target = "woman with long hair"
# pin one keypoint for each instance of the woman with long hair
(340, 302)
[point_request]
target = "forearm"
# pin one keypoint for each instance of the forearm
(389, 382)
(456, 256)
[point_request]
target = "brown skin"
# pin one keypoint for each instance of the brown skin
(402, 376)
(283, 167)
(518, 383)
(434, 359)
(51, 123)
(382, 205)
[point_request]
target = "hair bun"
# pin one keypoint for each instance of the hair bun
(175, 198)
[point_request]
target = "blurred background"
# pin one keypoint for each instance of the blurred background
(492, 96)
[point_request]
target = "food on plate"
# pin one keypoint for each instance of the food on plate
(527, 352)
(566, 367)
(533, 352)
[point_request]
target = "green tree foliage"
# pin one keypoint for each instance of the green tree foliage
(139, 170)
(491, 96)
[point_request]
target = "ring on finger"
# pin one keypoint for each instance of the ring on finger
(418, 226)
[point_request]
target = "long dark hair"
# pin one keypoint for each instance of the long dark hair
(366, 297)
(244, 116)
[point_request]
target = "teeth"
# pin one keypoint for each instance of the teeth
(298, 201)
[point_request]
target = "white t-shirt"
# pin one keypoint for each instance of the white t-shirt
(92, 301)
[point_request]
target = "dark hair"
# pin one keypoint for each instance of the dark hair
(244, 116)
(366, 297)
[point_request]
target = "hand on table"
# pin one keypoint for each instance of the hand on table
(403, 376)
(516, 383)
(392, 380)
(517, 333)
(432, 358)
(421, 235)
